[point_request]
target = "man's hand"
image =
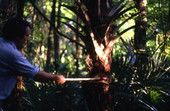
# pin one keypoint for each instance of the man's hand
(60, 79)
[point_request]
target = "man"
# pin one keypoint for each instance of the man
(15, 35)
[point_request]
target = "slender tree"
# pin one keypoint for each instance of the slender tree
(140, 27)
(77, 47)
(57, 36)
(140, 34)
(53, 28)
(49, 48)
(49, 43)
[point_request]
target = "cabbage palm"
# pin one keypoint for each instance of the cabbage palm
(99, 32)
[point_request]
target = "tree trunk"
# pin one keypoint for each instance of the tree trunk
(98, 93)
(140, 34)
(56, 37)
(77, 48)
(49, 41)
(49, 48)
(140, 29)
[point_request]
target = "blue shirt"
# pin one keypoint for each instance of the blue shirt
(12, 64)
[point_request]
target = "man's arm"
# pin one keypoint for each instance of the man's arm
(46, 77)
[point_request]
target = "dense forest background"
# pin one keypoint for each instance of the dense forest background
(139, 34)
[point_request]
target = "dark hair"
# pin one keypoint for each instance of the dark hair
(13, 28)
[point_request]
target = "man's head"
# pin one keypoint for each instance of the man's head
(17, 30)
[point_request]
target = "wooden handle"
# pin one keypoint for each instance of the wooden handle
(81, 79)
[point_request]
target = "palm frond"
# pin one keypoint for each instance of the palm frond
(76, 31)
(116, 8)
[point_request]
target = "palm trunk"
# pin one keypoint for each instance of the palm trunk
(98, 93)
(140, 34)
(140, 29)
